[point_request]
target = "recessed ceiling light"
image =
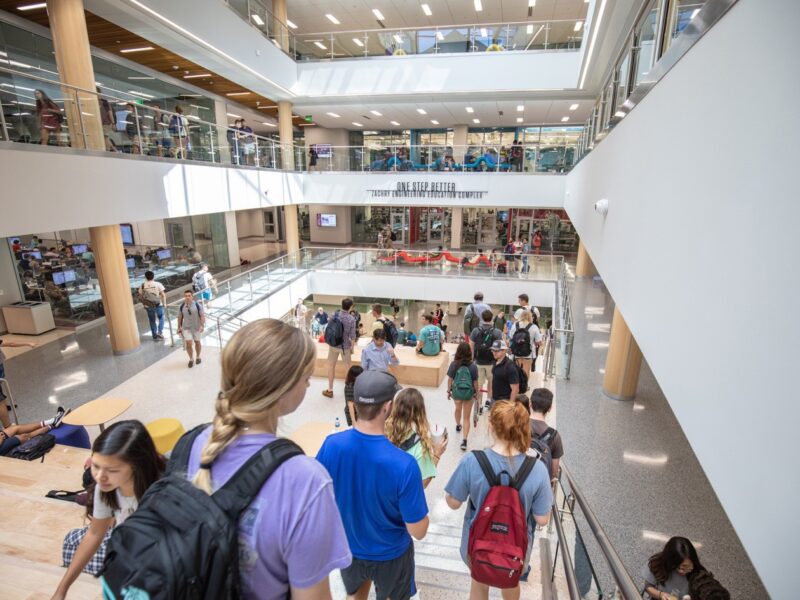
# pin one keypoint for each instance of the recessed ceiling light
(574, 106)
(257, 19)
(376, 113)
(32, 6)
(620, 114)
(358, 42)
(469, 109)
(334, 115)
(332, 19)
(142, 94)
(269, 124)
(378, 14)
(426, 9)
(290, 24)
(578, 25)
(564, 119)
(395, 123)
(476, 120)
(233, 116)
(422, 111)
(434, 121)
(529, 29)
(519, 119)
(141, 77)
(195, 76)
(478, 6)
(439, 36)
(238, 93)
(357, 124)
(531, 3)
(398, 38)
(520, 107)
(141, 49)
(320, 45)
(483, 32)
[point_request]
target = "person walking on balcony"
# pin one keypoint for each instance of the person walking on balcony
(50, 118)
(312, 157)
(202, 283)
(340, 335)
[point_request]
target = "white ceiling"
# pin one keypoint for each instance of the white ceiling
(309, 15)
(536, 112)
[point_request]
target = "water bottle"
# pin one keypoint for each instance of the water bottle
(337, 425)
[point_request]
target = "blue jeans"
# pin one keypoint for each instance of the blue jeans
(152, 313)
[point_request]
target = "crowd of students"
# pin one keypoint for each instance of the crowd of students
(360, 503)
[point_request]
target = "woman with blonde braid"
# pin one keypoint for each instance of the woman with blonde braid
(407, 428)
(291, 535)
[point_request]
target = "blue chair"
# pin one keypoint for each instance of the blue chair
(72, 435)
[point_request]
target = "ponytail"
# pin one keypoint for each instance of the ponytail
(511, 424)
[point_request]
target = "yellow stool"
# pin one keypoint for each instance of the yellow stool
(165, 433)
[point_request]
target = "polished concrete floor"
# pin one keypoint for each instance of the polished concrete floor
(630, 458)
(634, 464)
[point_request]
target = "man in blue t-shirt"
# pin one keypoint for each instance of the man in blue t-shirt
(430, 337)
(379, 492)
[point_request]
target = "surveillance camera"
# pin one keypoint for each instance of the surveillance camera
(601, 206)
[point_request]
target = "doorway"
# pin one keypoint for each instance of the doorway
(271, 225)
(399, 225)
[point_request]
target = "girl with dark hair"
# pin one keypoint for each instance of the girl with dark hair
(510, 427)
(50, 117)
(462, 387)
(349, 404)
(124, 464)
(666, 573)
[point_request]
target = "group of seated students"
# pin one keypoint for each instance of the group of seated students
(355, 507)
(397, 159)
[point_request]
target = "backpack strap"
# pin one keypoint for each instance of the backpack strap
(486, 467)
(237, 494)
(547, 435)
(524, 470)
(410, 442)
(179, 459)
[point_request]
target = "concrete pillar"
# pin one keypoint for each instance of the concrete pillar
(459, 142)
(584, 267)
(623, 363)
(286, 132)
(280, 31)
(455, 227)
(71, 43)
(221, 119)
(232, 236)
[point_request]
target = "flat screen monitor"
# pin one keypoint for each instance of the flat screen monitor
(79, 249)
(164, 254)
(34, 255)
(127, 234)
(131, 263)
(63, 277)
(326, 220)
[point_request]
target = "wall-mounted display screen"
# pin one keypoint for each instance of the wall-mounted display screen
(326, 220)
(127, 234)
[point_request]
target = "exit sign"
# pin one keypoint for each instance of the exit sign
(308, 118)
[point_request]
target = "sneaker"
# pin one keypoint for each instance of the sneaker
(458, 428)
(474, 421)
(464, 444)
(488, 405)
(191, 364)
(327, 393)
(60, 417)
(160, 337)
(199, 360)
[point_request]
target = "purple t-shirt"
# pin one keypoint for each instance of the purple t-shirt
(292, 533)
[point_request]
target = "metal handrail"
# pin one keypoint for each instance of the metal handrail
(621, 576)
(569, 569)
(436, 27)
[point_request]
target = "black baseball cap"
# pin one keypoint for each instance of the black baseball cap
(375, 387)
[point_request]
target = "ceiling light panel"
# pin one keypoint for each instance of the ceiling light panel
(478, 6)
(578, 25)
(476, 120)
(469, 109)
(357, 124)
(320, 45)
(376, 113)
(574, 106)
(334, 115)
(520, 107)
(195, 76)
(332, 19)
(290, 24)
(529, 29)
(358, 42)
(378, 14)
(426, 9)
(257, 19)
(36, 6)
(434, 122)
(395, 123)
(564, 119)
(519, 119)
(422, 111)
(140, 49)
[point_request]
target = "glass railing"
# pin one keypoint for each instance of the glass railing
(560, 335)
(485, 37)
(530, 158)
(136, 127)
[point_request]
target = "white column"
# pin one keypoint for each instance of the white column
(455, 227)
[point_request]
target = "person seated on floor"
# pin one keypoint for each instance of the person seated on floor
(666, 573)
(13, 435)
(475, 260)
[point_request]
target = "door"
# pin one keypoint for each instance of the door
(525, 227)
(435, 227)
(270, 225)
(398, 221)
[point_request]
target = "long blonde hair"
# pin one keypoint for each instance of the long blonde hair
(526, 317)
(408, 415)
(260, 364)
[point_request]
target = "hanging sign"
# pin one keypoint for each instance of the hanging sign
(427, 189)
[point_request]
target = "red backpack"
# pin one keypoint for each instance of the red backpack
(498, 539)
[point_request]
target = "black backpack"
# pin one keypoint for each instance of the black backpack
(471, 320)
(541, 443)
(393, 236)
(334, 332)
(390, 330)
(34, 448)
(182, 543)
(483, 347)
(522, 376)
(521, 342)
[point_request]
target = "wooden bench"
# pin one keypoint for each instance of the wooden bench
(414, 369)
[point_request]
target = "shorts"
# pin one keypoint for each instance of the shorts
(334, 353)
(485, 374)
(393, 578)
(205, 295)
(192, 334)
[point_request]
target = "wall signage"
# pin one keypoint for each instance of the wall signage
(427, 189)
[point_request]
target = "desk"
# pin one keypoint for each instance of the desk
(98, 412)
